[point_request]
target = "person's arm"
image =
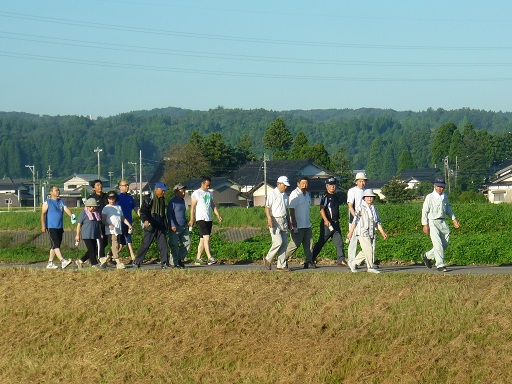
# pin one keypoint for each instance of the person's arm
(292, 218)
(44, 210)
(216, 211)
(269, 217)
(78, 228)
(424, 215)
(193, 204)
(381, 230)
(324, 216)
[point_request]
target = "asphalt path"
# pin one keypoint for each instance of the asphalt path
(294, 268)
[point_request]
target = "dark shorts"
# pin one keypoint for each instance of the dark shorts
(205, 227)
(55, 237)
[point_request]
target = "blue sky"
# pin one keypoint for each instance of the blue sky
(104, 57)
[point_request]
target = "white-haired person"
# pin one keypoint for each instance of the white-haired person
(436, 208)
(365, 225)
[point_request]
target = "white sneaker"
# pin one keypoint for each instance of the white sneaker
(212, 261)
(79, 263)
(51, 265)
(65, 263)
(120, 266)
(352, 266)
(372, 270)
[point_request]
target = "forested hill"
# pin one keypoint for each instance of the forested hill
(67, 143)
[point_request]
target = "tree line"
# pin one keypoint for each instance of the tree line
(219, 140)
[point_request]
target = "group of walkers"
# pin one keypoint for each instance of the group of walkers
(291, 214)
(107, 220)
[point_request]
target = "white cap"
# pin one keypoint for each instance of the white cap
(369, 193)
(283, 180)
(360, 176)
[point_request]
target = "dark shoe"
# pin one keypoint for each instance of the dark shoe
(306, 265)
(343, 263)
(181, 264)
(267, 264)
(165, 266)
(136, 265)
(442, 269)
(427, 262)
(313, 265)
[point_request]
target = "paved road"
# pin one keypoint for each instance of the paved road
(297, 268)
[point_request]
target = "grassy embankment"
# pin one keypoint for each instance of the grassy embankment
(245, 327)
(484, 238)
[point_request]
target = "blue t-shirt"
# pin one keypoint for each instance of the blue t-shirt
(55, 213)
(127, 203)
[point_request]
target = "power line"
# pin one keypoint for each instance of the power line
(87, 24)
(240, 74)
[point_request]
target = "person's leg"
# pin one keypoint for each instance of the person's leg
(92, 248)
(307, 244)
(200, 248)
(440, 236)
(322, 239)
(337, 239)
(161, 242)
(275, 234)
(293, 244)
(174, 240)
(366, 251)
(185, 245)
(352, 247)
(282, 261)
(146, 243)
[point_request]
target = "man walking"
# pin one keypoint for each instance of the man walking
(52, 215)
(128, 204)
(276, 209)
(436, 208)
(354, 200)
(330, 223)
(302, 234)
(179, 237)
(200, 209)
(101, 199)
(152, 214)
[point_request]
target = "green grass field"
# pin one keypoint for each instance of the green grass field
(484, 237)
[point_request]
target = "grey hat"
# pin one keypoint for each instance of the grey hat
(91, 202)
(369, 193)
(179, 186)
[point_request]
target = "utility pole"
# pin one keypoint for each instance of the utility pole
(135, 166)
(110, 173)
(140, 174)
(122, 171)
(98, 150)
(33, 169)
(265, 174)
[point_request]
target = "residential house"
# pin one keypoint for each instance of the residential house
(499, 190)
(225, 192)
(77, 187)
(16, 193)
(415, 176)
(251, 178)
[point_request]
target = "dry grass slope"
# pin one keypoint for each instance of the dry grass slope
(245, 327)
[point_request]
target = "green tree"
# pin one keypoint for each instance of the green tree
(442, 141)
(278, 138)
(184, 161)
(405, 161)
(341, 167)
(396, 191)
(300, 144)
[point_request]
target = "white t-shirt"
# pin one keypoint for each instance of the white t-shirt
(114, 214)
(277, 202)
(204, 204)
(354, 196)
(301, 203)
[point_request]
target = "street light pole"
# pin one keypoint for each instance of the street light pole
(33, 169)
(98, 150)
(110, 173)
